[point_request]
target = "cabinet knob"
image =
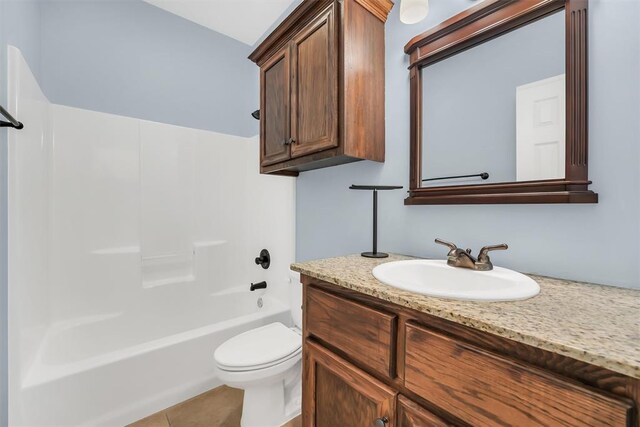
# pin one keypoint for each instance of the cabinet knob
(292, 140)
(381, 422)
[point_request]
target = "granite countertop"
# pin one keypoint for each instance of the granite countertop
(596, 324)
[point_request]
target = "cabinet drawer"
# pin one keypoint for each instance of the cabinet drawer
(363, 334)
(483, 388)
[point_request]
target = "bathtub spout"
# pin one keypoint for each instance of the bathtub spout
(259, 285)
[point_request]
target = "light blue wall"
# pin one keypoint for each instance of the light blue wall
(479, 88)
(19, 26)
(134, 59)
(598, 243)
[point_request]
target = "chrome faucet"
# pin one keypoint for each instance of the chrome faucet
(458, 257)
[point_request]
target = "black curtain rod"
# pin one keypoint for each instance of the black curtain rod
(12, 121)
(483, 175)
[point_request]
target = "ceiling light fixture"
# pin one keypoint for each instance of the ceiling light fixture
(413, 11)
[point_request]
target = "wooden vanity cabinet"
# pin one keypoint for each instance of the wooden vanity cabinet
(368, 362)
(322, 86)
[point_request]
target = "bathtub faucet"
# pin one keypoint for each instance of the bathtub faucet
(259, 285)
(264, 260)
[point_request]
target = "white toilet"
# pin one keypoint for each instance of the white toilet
(266, 362)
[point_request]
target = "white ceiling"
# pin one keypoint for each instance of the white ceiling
(244, 20)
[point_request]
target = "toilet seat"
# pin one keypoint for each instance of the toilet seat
(259, 348)
(258, 367)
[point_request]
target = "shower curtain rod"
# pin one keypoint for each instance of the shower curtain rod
(12, 121)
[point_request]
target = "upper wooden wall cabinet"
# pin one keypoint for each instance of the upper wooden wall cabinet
(322, 86)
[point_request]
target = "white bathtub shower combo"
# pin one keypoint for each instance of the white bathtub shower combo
(131, 247)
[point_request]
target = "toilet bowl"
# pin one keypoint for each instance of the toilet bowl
(266, 362)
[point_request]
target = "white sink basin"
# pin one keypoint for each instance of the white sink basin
(436, 278)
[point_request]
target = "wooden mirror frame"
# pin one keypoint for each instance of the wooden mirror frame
(476, 25)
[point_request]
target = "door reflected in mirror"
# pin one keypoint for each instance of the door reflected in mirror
(497, 109)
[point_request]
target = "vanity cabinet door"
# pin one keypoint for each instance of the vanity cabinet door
(410, 414)
(274, 109)
(337, 393)
(483, 388)
(314, 95)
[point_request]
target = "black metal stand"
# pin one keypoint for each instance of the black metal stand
(374, 253)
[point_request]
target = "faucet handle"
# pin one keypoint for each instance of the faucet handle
(450, 245)
(453, 249)
(483, 256)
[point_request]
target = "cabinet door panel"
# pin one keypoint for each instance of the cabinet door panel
(339, 394)
(410, 414)
(315, 87)
(274, 109)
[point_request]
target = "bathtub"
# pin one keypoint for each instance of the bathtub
(115, 368)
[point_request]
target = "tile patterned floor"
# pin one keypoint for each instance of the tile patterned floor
(220, 407)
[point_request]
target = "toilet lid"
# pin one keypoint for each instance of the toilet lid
(258, 347)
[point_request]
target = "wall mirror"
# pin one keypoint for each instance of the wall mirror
(499, 105)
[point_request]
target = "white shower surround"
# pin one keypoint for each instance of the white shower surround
(93, 197)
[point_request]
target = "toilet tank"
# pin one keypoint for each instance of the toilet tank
(295, 298)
